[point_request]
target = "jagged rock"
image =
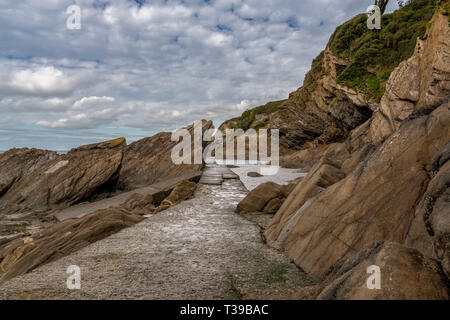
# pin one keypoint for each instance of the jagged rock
(23, 255)
(66, 179)
(325, 112)
(421, 82)
(17, 163)
(148, 161)
(405, 274)
(322, 175)
(375, 202)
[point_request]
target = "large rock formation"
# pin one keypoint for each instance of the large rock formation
(322, 110)
(421, 82)
(37, 181)
(405, 274)
(66, 179)
(387, 181)
(321, 176)
(149, 160)
(375, 202)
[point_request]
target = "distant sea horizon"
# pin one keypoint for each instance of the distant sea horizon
(57, 151)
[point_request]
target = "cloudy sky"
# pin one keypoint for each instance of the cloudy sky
(135, 68)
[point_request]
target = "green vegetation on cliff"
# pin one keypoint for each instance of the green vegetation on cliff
(246, 120)
(373, 54)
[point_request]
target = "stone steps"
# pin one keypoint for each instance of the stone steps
(216, 174)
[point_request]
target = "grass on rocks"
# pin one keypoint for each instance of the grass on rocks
(374, 54)
(276, 273)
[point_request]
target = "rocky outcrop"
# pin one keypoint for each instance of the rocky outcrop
(326, 111)
(321, 111)
(420, 83)
(149, 160)
(405, 274)
(376, 201)
(17, 163)
(63, 180)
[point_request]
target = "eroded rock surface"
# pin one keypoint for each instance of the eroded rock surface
(405, 274)
(17, 163)
(67, 179)
(375, 202)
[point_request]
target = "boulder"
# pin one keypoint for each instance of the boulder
(258, 198)
(376, 201)
(405, 274)
(148, 160)
(66, 179)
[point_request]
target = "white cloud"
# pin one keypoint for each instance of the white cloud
(44, 81)
(158, 66)
(89, 102)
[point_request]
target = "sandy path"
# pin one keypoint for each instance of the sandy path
(199, 249)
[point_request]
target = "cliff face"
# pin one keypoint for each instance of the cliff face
(321, 112)
(418, 84)
(351, 81)
(379, 178)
